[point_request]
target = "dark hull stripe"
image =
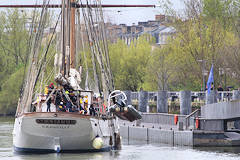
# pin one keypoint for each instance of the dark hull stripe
(33, 150)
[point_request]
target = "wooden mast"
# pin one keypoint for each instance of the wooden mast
(63, 45)
(66, 34)
(69, 39)
(72, 36)
(67, 23)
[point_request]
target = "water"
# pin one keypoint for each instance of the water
(132, 151)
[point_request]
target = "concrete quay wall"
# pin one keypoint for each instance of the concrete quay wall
(196, 138)
(154, 135)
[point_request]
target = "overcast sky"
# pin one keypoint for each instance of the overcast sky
(119, 15)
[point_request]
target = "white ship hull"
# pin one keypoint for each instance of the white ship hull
(59, 132)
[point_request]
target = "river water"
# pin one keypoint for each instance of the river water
(130, 151)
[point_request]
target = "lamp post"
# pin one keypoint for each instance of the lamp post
(204, 72)
(221, 74)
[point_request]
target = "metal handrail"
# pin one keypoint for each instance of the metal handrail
(197, 110)
(222, 95)
(189, 116)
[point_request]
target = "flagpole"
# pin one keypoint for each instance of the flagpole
(213, 94)
(213, 73)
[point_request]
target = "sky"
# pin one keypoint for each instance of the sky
(120, 15)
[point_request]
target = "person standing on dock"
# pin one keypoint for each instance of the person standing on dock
(220, 88)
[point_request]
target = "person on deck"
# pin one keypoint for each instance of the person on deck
(92, 110)
(49, 104)
(57, 99)
(85, 104)
(81, 103)
(69, 106)
(61, 107)
(51, 86)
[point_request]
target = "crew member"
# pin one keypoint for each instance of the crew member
(49, 104)
(92, 111)
(61, 107)
(69, 106)
(85, 104)
(51, 86)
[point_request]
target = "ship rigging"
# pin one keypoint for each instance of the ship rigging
(76, 122)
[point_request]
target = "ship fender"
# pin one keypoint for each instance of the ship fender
(57, 146)
(97, 143)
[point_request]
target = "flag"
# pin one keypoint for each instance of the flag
(210, 80)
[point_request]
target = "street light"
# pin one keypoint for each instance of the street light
(204, 73)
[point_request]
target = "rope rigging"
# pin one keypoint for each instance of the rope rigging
(83, 49)
(35, 65)
(86, 25)
(95, 29)
(97, 42)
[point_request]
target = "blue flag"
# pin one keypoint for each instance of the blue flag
(210, 80)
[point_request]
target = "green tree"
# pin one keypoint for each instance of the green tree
(202, 34)
(159, 70)
(10, 92)
(13, 41)
(129, 63)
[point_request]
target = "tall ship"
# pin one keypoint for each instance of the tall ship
(61, 116)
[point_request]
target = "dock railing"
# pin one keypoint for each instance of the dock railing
(162, 119)
(190, 119)
(199, 97)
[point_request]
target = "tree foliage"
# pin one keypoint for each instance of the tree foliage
(14, 52)
(205, 34)
(10, 92)
(13, 42)
(208, 33)
(129, 63)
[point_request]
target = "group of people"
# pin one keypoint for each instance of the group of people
(68, 101)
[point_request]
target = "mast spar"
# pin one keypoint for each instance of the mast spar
(76, 5)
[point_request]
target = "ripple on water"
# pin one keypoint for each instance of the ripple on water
(152, 152)
(5, 152)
